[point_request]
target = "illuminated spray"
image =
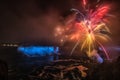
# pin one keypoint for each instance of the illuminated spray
(90, 28)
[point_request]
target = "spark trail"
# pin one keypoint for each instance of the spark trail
(90, 28)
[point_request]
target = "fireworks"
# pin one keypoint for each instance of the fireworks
(89, 28)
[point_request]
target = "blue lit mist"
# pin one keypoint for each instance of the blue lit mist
(38, 50)
(100, 60)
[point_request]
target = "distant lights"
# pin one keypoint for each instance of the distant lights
(9, 45)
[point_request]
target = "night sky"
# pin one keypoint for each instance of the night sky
(35, 20)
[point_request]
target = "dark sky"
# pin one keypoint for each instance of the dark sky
(34, 20)
(22, 20)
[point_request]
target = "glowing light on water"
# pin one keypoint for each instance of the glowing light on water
(38, 50)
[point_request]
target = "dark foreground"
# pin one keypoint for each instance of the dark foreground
(71, 69)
